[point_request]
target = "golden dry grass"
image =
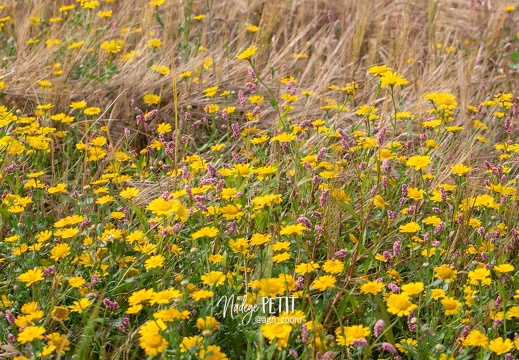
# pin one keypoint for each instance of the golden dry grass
(412, 37)
(361, 34)
(458, 46)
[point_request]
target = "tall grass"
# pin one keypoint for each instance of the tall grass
(161, 158)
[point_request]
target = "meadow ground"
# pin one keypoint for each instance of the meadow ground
(259, 179)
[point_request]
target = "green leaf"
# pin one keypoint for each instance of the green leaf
(351, 210)
(125, 287)
(385, 316)
(141, 217)
(5, 215)
(159, 20)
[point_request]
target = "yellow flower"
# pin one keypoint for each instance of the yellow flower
(66, 8)
(406, 345)
(443, 100)
(501, 347)
(248, 53)
(164, 297)
(75, 45)
(346, 335)
(76, 282)
(264, 171)
(212, 352)
(258, 239)
(211, 108)
(5, 302)
(58, 189)
(160, 206)
(306, 268)
(415, 194)
(215, 258)
(90, 4)
(279, 258)
(79, 306)
(324, 282)
(460, 169)
(379, 202)
(390, 78)
(92, 111)
(129, 193)
(38, 142)
(432, 144)
(112, 46)
(43, 236)
(277, 332)
(171, 314)
(259, 140)
(44, 83)
(437, 294)
(213, 278)
(105, 14)
(153, 262)
(239, 245)
(31, 333)
(328, 175)
(59, 341)
(201, 294)
(190, 342)
(161, 69)
(445, 272)
(331, 266)
(399, 304)
(451, 305)
(78, 105)
(372, 287)
(479, 276)
(256, 99)
(217, 147)
(184, 75)
(283, 137)
(67, 233)
(418, 162)
(411, 227)
(205, 232)
(60, 251)
(140, 296)
(163, 128)
(105, 200)
(476, 338)
(412, 289)
(60, 313)
(31, 276)
(151, 99)
(208, 323)
(504, 268)
(134, 309)
(366, 110)
(151, 340)
(379, 70)
(432, 220)
(292, 229)
(242, 169)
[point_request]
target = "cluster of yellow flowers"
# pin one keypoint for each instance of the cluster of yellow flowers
(221, 238)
